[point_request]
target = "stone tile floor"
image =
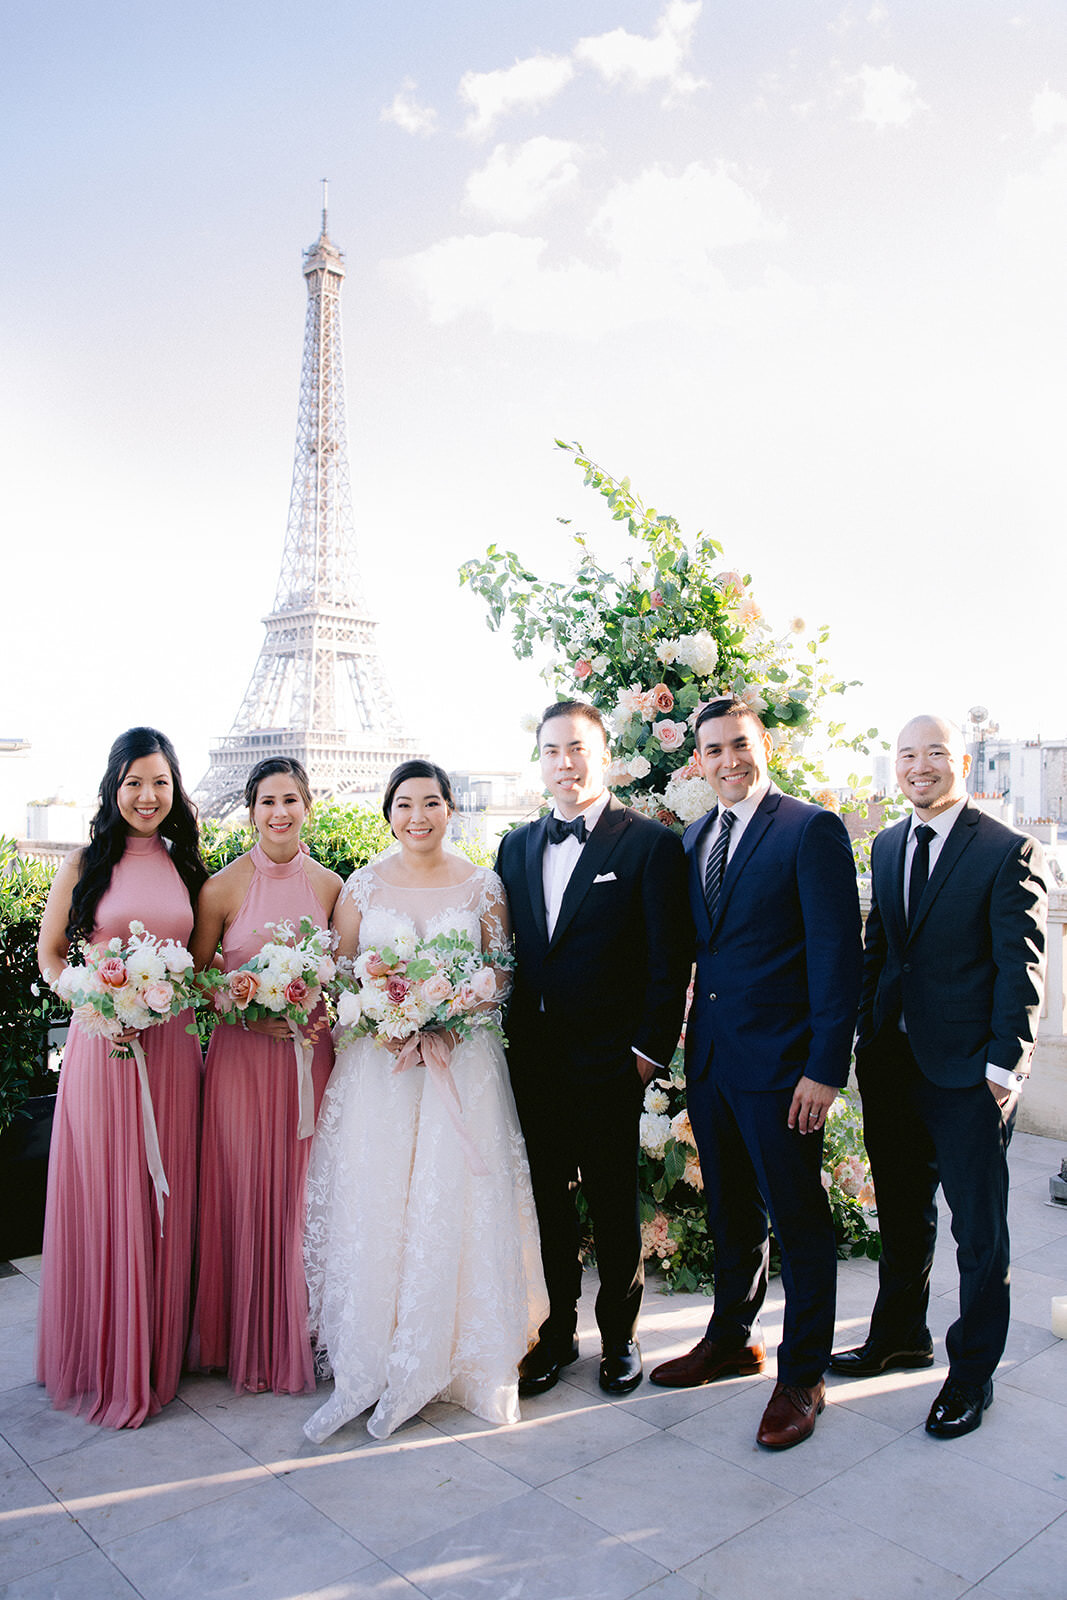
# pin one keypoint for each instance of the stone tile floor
(660, 1494)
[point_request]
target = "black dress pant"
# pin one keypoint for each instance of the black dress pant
(588, 1134)
(918, 1135)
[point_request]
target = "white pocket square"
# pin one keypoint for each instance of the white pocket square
(605, 877)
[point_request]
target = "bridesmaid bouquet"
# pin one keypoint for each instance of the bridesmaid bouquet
(283, 979)
(411, 984)
(130, 985)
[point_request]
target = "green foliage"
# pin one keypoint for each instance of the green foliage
(649, 645)
(27, 1007)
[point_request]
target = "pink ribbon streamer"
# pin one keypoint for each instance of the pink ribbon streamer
(153, 1154)
(305, 1088)
(433, 1054)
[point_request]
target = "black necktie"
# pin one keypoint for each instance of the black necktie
(920, 869)
(717, 862)
(558, 830)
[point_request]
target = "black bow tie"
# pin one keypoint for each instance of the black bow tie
(558, 830)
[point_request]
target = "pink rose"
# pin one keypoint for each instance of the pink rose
(112, 973)
(296, 992)
(464, 999)
(662, 699)
(730, 580)
(243, 986)
(222, 1001)
(484, 984)
(158, 997)
(397, 990)
(671, 735)
(436, 990)
(374, 966)
(582, 669)
(656, 600)
(326, 969)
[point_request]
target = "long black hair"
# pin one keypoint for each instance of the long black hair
(108, 831)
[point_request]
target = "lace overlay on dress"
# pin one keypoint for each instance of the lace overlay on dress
(424, 1279)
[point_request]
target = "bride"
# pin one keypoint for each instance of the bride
(421, 1250)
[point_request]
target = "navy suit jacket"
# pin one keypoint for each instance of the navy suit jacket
(778, 975)
(968, 976)
(614, 974)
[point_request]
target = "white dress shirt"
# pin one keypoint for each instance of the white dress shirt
(560, 860)
(943, 823)
(743, 810)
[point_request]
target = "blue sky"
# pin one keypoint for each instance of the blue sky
(798, 271)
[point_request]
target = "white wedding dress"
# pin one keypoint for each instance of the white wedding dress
(424, 1280)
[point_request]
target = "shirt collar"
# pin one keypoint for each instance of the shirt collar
(745, 809)
(592, 814)
(942, 822)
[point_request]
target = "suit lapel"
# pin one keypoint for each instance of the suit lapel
(595, 852)
(750, 838)
(535, 883)
(891, 903)
(697, 899)
(960, 836)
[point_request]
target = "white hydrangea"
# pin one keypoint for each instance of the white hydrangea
(699, 652)
(688, 798)
(655, 1130)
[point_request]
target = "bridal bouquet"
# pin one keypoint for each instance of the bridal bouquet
(283, 979)
(412, 984)
(132, 984)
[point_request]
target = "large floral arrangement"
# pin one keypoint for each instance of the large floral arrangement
(648, 646)
(285, 977)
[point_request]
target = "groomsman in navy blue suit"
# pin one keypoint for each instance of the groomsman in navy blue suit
(772, 885)
(952, 986)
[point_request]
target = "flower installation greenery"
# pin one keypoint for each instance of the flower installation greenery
(648, 645)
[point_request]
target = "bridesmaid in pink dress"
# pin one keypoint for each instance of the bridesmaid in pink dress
(251, 1315)
(114, 1307)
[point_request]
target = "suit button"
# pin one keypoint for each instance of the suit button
(713, 951)
(713, 997)
(906, 967)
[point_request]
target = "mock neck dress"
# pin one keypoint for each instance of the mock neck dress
(114, 1305)
(250, 1317)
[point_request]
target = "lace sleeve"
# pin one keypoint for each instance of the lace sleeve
(358, 889)
(495, 919)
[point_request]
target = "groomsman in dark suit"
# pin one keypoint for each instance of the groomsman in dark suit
(773, 890)
(952, 985)
(603, 943)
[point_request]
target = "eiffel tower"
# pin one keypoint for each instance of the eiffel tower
(318, 691)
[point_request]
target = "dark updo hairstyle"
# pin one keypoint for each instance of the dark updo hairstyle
(416, 769)
(266, 768)
(108, 830)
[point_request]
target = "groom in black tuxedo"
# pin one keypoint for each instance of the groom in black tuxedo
(603, 940)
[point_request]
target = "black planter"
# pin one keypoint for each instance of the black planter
(24, 1177)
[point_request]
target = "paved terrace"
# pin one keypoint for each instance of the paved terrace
(659, 1494)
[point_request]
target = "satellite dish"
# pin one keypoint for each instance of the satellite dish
(978, 713)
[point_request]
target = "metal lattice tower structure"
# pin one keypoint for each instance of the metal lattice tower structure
(318, 691)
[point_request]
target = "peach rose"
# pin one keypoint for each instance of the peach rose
(222, 1001)
(159, 996)
(582, 669)
(296, 992)
(662, 699)
(484, 984)
(375, 967)
(730, 580)
(748, 612)
(436, 990)
(243, 986)
(112, 973)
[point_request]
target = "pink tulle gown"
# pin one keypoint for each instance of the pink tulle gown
(114, 1307)
(251, 1315)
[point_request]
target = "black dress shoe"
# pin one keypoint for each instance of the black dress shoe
(620, 1367)
(958, 1408)
(539, 1367)
(870, 1359)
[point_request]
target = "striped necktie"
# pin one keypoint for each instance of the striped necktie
(717, 863)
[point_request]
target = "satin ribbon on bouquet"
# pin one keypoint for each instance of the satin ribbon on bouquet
(153, 1154)
(303, 1054)
(433, 1053)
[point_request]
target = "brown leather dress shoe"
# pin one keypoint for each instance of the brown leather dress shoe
(708, 1360)
(790, 1415)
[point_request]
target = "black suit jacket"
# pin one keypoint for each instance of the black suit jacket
(969, 975)
(614, 975)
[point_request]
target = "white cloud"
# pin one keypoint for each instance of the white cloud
(662, 234)
(517, 181)
(406, 112)
(889, 98)
(526, 85)
(1048, 111)
(635, 59)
